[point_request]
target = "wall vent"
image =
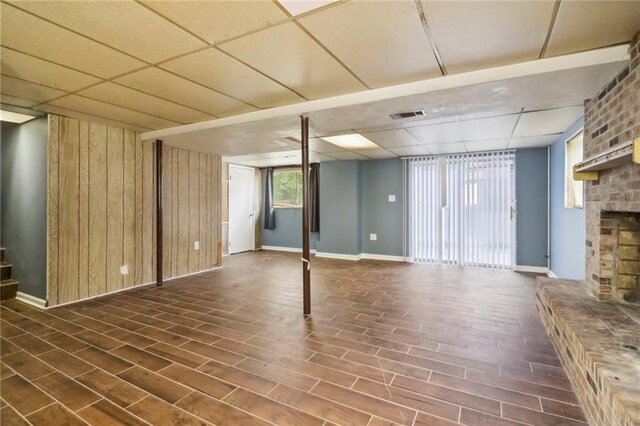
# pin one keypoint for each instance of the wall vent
(408, 114)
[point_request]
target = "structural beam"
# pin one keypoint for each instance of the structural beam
(159, 238)
(306, 264)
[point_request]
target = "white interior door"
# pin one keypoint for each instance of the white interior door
(241, 209)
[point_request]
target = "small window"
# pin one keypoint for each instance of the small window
(573, 190)
(287, 188)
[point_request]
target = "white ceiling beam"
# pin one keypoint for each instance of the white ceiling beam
(523, 69)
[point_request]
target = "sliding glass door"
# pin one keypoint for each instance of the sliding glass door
(461, 209)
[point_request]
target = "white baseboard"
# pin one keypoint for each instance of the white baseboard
(339, 256)
(31, 300)
(535, 269)
(551, 274)
(288, 249)
(384, 257)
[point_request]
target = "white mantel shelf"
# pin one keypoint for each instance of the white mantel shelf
(615, 156)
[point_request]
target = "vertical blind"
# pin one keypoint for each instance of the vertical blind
(461, 209)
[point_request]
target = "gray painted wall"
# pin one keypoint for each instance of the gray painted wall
(24, 203)
(568, 226)
(340, 207)
(354, 203)
(532, 205)
(380, 179)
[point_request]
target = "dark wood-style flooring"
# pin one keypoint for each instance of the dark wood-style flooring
(388, 343)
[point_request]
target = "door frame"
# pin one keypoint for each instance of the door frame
(253, 205)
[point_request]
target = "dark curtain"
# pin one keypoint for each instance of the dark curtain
(269, 210)
(314, 197)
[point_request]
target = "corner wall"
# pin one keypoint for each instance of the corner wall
(24, 203)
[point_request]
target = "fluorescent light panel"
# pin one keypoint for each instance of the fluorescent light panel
(353, 142)
(298, 7)
(14, 117)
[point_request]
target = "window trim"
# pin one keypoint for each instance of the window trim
(568, 173)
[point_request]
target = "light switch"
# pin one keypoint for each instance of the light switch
(196, 245)
(373, 237)
(392, 198)
(124, 269)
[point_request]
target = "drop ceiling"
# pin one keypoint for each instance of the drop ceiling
(149, 65)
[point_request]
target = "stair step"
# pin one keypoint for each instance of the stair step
(8, 289)
(5, 271)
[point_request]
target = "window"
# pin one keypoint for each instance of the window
(287, 188)
(573, 190)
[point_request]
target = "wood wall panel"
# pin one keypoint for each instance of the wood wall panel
(101, 210)
(97, 209)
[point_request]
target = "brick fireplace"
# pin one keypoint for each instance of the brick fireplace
(612, 201)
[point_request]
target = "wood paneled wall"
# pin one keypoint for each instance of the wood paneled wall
(101, 210)
(192, 211)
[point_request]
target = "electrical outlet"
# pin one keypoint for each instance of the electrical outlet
(196, 245)
(392, 198)
(373, 237)
(124, 269)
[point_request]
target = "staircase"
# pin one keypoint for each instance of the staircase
(8, 287)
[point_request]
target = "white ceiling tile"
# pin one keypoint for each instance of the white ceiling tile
(482, 34)
(161, 83)
(219, 71)
(489, 128)
(325, 157)
(124, 25)
(28, 91)
(548, 121)
(100, 109)
(298, 7)
(321, 146)
(391, 138)
(487, 145)
(123, 96)
(584, 25)
(29, 34)
(291, 57)
(534, 141)
(365, 36)
(26, 67)
(447, 148)
(12, 100)
(410, 150)
(219, 20)
(379, 154)
(348, 155)
(437, 133)
(89, 117)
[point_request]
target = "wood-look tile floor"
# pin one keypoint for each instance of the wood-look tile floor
(387, 343)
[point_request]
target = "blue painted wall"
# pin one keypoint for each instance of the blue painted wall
(380, 179)
(23, 203)
(532, 205)
(568, 226)
(288, 232)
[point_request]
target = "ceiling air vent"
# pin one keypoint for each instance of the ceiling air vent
(408, 114)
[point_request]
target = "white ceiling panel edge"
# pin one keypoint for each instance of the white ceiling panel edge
(540, 66)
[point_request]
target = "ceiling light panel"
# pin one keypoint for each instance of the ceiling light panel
(364, 35)
(124, 25)
(215, 21)
(322, 146)
(285, 53)
(27, 33)
(473, 35)
(185, 92)
(437, 133)
(219, 71)
(584, 25)
(392, 138)
(548, 121)
(29, 68)
(298, 7)
(14, 117)
(354, 142)
(489, 128)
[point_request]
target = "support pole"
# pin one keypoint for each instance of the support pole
(306, 265)
(159, 238)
